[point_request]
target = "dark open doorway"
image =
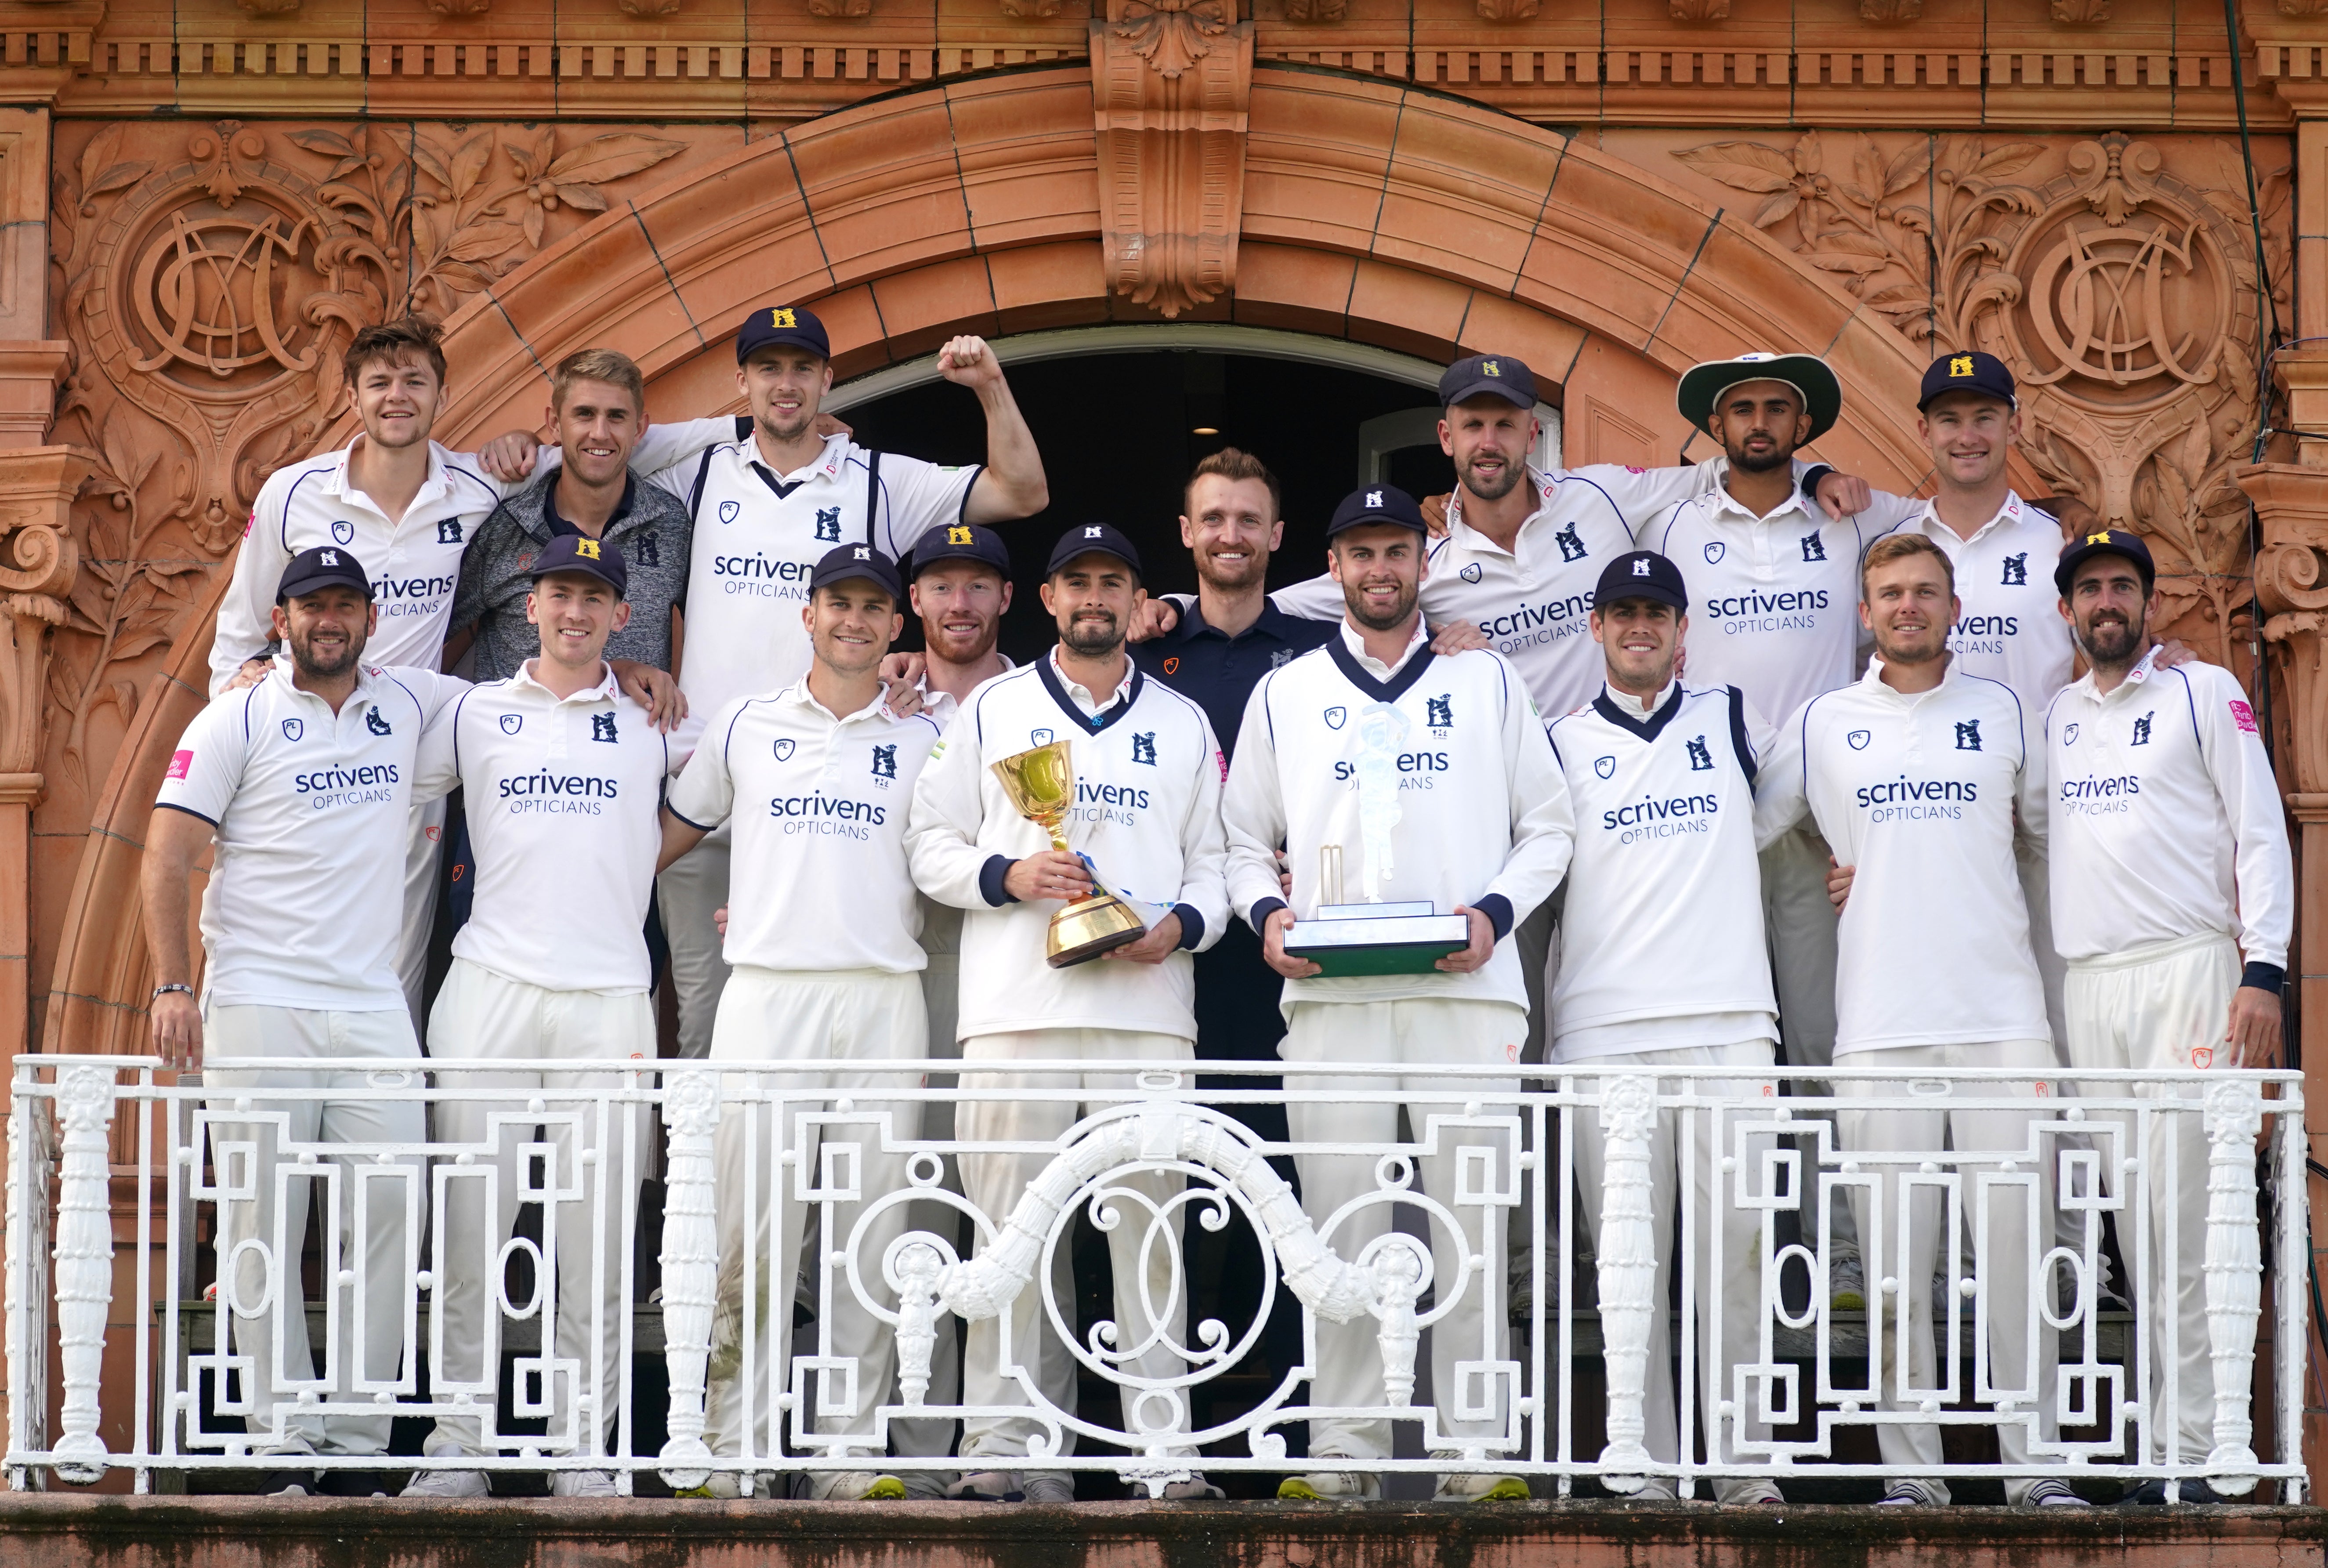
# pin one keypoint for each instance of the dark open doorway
(1119, 433)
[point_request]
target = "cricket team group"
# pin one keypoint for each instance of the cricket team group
(1716, 768)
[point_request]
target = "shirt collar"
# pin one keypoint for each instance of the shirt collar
(1473, 538)
(2007, 515)
(1084, 699)
(1373, 666)
(941, 704)
(824, 464)
(1633, 707)
(367, 679)
(798, 696)
(550, 514)
(606, 690)
(1873, 679)
(2135, 679)
(1722, 501)
(1192, 624)
(338, 482)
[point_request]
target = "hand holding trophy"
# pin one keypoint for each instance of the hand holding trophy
(1041, 784)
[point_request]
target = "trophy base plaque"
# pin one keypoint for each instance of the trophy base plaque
(1089, 928)
(1356, 939)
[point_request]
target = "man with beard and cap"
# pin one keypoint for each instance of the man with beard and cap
(1430, 778)
(2173, 894)
(307, 782)
(1778, 583)
(1147, 813)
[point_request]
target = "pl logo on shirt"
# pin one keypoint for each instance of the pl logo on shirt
(2069, 734)
(784, 749)
(511, 723)
(1713, 553)
(1606, 766)
(291, 728)
(1968, 735)
(1039, 737)
(1335, 717)
(1859, 739)
(729, 510)
(1471, 573)
(345, 532)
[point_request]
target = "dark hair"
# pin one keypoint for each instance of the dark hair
(1230, 463)
(396, 341)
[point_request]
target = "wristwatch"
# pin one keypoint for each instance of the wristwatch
(162, 990)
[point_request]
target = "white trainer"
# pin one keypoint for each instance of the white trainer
(857, 1487)
(583, 1484)
(446, 1484)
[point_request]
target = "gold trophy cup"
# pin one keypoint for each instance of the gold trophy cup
(1041, 783)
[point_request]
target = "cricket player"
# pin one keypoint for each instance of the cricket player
(1148, 781)
(821, 936)
(563, 776)
(1777, 582)
(305, 780)
(2173, 894)
(403, 503)
(766, 507)
(1924, 778)
(1664, 965)
(1432, 776)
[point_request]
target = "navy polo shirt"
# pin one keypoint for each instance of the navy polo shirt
(1217, 672)
(558, 526)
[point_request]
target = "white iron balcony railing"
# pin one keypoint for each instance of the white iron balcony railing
(1449, 1280)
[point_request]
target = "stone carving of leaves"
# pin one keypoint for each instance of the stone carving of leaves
(1507, 10)
(1890, 12)
(2082, 12)
(1698, 10)
(1316, 10)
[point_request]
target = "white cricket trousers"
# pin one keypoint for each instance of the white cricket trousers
(1800, 923)
(1465, 1343)
(690, 891)
(583, 1172)
(785, 1162)
(424, 839)
(1902, 1233)
(1017, 1360)
(2162, 1008)
(369, 1185)
(1680, 1141)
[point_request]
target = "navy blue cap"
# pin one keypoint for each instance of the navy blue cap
(584, 557)
(782, 324)
(1085, 538)
(858, 560)
(2105, 541)
(1384, 503)
(325, 566)
(961, 541)
(1641, 574)
(1968, 371)
(1500, 374)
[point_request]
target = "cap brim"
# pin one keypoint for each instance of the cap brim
(1487, 386)
(1064, 562)
(315, 585)
(1702, 384)
(1384, 519)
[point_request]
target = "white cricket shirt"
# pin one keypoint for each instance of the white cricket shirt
(563, 798)
(2009, 625)
(1773, 601)
(817, 879)
(758, 534)
(1441, 762)
(1146, 812)
(1924, 795)
(2166, 820)
(941, 923)
(305, 903)
(1532, 601)
(1661, 939)
(414, 561)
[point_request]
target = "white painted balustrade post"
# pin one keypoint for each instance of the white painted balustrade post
(691, 1271)
(2234, 1275)
(84, 1259)
(1627, 1246)
(919, 1265)
(1398, 1281)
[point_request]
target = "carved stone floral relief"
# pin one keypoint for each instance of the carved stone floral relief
(2122, 292)
(209, 276)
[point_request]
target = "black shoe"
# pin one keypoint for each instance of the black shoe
(288, 1484)
(2194, 1492)
(353, 1484)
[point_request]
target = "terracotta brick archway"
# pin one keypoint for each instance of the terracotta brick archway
(1367, 211)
